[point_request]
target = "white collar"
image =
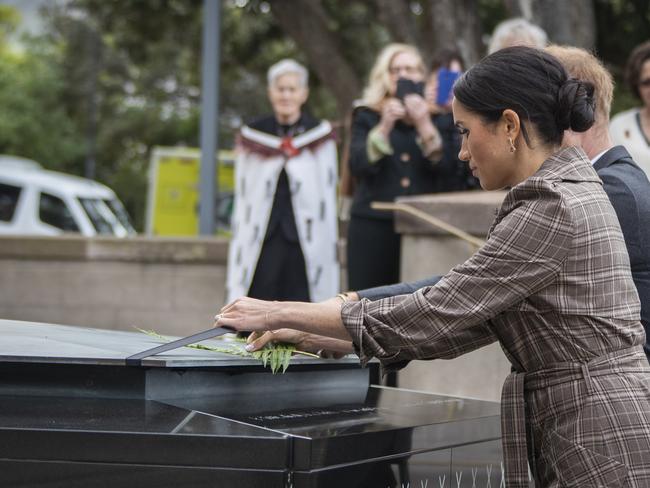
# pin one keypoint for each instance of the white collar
(598, 156)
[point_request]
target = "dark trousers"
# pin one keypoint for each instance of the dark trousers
(373, 253)
(280, 273)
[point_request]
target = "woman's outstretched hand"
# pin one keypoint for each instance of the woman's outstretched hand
(247, 314)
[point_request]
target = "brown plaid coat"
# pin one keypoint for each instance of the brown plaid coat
(552, 284)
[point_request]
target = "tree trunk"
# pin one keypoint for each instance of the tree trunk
(396, 15)
(520, 8)
(443, 21)
(572, 23)
(306, 22)
(455, 23)
(469, 31)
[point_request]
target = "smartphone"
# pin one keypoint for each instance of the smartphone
(406, 87)
(446, 80)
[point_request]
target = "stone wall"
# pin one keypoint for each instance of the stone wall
(174, 286)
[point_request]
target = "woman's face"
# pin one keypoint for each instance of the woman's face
(486, 149)
(404, 65)
(644, 77)
(287, 95)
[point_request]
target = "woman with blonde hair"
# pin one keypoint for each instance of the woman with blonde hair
(394, 151)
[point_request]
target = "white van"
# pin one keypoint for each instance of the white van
(37, 201)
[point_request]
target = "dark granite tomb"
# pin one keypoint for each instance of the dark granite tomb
(73, 414)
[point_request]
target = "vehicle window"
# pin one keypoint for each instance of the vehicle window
(103, 221)
(53, 211)
(8, 200)
(118, 209)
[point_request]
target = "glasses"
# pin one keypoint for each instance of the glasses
(644, 83)
(409, 70)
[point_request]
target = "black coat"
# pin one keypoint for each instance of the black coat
(407, 171)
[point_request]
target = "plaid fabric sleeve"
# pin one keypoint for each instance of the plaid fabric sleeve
(524, 254)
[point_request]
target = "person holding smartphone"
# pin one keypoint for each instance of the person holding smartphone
(395, 150)
(447, 66)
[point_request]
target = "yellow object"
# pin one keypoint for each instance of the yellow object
(173, 191)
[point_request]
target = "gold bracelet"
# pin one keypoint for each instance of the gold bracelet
(344, 298)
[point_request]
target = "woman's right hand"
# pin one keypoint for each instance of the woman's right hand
(303, 341)
(392, 111)
(247, 314)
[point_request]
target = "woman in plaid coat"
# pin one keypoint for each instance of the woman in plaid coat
(552, 284)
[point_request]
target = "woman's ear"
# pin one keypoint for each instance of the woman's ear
(511, 123)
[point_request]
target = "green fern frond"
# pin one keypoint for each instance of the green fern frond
(276, 355)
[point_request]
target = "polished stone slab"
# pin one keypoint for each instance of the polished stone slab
(32, 342)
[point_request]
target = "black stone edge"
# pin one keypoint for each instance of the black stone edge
(239, 452)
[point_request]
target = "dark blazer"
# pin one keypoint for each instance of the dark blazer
(628, 189)
(407, 171)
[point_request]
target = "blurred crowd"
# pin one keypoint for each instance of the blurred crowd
(399, 139)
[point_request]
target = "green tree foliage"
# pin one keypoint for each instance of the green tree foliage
(33, 123)
(622, 24)
(109, 80)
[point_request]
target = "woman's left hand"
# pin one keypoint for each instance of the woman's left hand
(247, 314)
(257, 340)
(304, 341)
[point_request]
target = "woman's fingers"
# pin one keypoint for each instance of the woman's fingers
(415, 104)
(235, 303)
(259, 341)
(254, 336)
(244, 314)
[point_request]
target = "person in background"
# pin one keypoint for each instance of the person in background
(284, 238)
(394, 150)
(552, 284)
(446, 67)
(626, 185)
(632, 127)
(517, 32)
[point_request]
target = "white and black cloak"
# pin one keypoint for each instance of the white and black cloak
(310, 161)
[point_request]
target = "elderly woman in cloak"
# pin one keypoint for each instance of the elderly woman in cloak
(284, 222)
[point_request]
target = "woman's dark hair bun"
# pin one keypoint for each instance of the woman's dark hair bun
(576, 106)
(535, 85)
